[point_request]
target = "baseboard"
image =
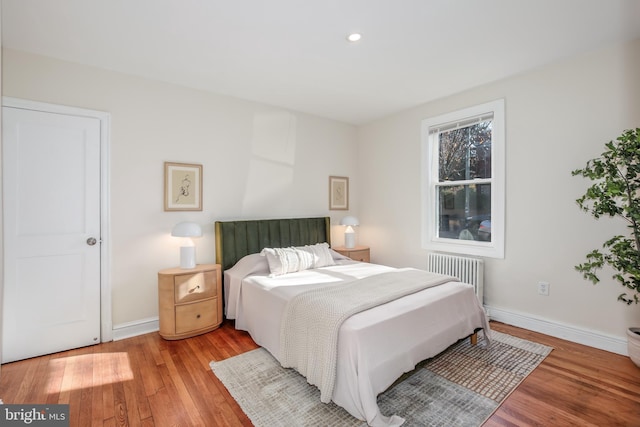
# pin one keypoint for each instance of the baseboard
(138, 327)
(566, 332)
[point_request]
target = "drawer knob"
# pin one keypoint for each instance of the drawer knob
(197, 316)
(192, 290)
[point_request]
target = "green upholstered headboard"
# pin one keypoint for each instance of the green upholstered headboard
(235, 239)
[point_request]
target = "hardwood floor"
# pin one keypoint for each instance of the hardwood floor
(147, 381)
(575, 385)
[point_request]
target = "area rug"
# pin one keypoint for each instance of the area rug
(461, 387)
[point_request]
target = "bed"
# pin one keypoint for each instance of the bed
(373, 346)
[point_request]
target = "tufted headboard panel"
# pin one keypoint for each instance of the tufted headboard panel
(235, 239)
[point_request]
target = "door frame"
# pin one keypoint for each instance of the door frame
(106, 322)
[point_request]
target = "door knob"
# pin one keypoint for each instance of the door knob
(91, 241)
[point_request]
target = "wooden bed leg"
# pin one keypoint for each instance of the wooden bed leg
(474, 338)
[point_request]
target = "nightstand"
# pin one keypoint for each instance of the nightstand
(189, 301)
(359, 253)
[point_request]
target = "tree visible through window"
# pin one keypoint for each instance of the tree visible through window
(463, 184)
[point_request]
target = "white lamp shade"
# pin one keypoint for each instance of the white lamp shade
(349, 220)
(187, 229)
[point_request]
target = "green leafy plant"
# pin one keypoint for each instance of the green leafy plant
(616, 192)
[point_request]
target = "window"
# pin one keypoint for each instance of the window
(463, 181)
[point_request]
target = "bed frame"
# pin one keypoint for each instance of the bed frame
(235, 239)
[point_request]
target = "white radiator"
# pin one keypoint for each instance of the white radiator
(468, 270)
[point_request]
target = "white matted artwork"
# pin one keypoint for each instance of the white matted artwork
(338, 193)
(182, 187)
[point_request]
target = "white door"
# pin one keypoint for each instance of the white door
(51, 184)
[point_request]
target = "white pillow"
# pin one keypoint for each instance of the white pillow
(287, 260)
(292, 259)
(321, 255)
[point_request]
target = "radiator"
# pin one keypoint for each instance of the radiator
(468, 270)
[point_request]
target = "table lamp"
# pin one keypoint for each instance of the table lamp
(349, 232)
(187, 230)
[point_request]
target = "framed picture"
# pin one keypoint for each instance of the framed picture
(338, 193)
(182, 187)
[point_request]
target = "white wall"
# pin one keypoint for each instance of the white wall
(259, 161)
(557, 118)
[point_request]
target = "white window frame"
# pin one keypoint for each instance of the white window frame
(430, 170)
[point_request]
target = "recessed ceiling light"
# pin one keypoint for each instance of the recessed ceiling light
(354, 37)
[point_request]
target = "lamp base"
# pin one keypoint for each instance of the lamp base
(349, 240)
(187, 257)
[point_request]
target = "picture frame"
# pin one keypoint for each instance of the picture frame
(182, 187)
(338, 193)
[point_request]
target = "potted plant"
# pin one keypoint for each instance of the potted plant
(616, 192)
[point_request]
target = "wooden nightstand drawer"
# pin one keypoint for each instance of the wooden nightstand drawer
(362, 255)
(189, 301)
(359, 253)
(198, 315)
(194, 287)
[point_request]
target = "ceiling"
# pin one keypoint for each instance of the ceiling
(294, 53)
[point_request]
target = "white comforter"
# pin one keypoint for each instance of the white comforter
(376, 346)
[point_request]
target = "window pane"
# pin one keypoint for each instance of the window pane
(465, 153)
(463, 195)
(464, 212)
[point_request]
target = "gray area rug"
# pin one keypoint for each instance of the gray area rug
(461, 387)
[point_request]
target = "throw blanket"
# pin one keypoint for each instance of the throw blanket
(312, 319)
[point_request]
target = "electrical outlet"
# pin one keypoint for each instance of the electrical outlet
(543, 288)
